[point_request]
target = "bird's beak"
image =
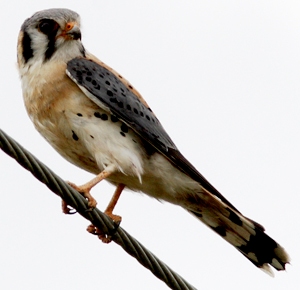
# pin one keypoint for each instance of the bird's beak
(71, 31)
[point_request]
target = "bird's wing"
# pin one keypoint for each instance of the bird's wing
(110, 92)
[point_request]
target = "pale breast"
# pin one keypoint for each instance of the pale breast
(77, 128)
(92, 138)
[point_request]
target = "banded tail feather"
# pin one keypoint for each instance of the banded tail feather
(245, 235)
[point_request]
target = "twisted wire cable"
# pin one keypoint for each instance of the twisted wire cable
(95, 216)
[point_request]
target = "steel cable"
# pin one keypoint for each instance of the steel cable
(95, 216)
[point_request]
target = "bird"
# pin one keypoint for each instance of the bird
(95, 119)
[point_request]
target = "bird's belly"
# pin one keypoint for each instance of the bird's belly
(92, 138)
(160, 180)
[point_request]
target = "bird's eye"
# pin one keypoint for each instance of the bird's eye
(47, 26)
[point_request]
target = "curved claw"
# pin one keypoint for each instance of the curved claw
(85, 192)
(66, 209)
(97, 232)
(72, 211)
(105, 238)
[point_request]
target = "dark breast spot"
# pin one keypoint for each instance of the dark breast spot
(124, 128)
(104, 117)
(123, 134)
(74, 136)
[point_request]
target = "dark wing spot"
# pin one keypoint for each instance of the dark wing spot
(135, 110)
(79, 114)
(123, 134)
(114, 119)
(109, 93)
(74, 136)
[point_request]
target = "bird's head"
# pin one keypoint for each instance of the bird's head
(52, 34)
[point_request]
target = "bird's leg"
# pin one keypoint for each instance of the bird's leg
(85, 188)
(113, 202)
(117, 219)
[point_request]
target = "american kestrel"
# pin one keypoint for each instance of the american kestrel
(96, 120)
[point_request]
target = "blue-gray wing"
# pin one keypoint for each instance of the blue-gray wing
(105, 89)
(108, 91)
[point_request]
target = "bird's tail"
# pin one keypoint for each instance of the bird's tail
(244, 234)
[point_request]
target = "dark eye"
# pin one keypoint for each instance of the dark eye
(47, 26)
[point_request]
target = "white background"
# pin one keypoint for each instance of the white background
(223, 78)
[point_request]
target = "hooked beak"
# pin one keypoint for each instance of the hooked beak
(71, 31)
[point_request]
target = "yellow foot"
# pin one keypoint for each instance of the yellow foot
(85, 191)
